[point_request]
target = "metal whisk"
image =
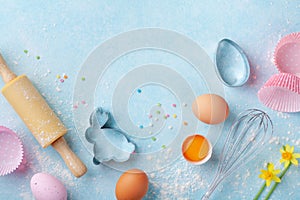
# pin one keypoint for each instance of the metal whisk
(249, 132)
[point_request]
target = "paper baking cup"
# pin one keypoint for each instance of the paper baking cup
(11, 151)
(287, 54)
(281, 92)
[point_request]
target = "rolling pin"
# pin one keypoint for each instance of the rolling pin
(38, 116)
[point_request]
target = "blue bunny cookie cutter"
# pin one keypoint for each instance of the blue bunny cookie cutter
(109, 142)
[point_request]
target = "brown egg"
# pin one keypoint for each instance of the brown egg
(210, 108)
(132, 185)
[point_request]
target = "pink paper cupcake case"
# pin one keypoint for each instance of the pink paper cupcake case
(281, 92)
(287, 54)
(11, 151)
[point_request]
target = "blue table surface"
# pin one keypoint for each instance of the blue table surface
(65, 32)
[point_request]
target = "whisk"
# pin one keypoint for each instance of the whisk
(248, 133)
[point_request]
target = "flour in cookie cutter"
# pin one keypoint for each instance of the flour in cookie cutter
(155, 38)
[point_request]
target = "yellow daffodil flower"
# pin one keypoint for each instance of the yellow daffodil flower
(270, 174)
(288, 156)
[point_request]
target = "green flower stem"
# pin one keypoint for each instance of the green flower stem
(275, 185)
(260, 191)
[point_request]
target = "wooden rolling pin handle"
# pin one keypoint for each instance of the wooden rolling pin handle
(6, 73)
(72, 161)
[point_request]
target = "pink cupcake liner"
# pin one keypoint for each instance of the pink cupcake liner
(281, 92)
(287, 54)
(11, 151)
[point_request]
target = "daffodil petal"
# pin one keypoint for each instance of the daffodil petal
(286, 164)
(263, 171)
(294, 161)
(282, 160)
(282, 151)
(276, 179)
(276, 171)
(296, 155)
(268, 183)
(261, 176)
(287, 148)
(270, 167)
(292, 149)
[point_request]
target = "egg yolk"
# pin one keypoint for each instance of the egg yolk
(195, 148)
